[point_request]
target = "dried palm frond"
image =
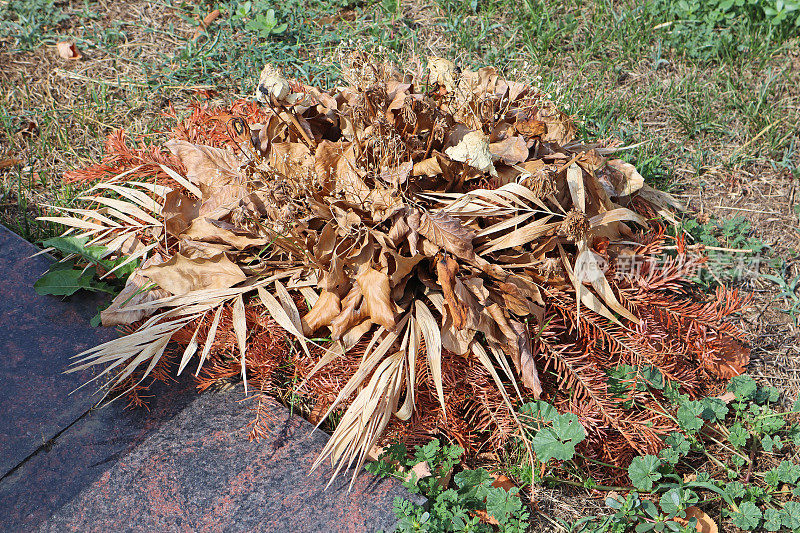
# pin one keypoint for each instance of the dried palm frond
(439, 248)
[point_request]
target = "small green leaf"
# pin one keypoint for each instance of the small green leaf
(643, 472)
(539, 411)
(791, 515)
(773, 519)
(714, 409)
(748, 517)
(689, 416)
(738, 435)
(63, 282)
(743, 386)
(559, 440)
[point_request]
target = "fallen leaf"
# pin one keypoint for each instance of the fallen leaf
(68, 50)
(134, 293)
(207, 167)
(629, 182)
(179, 211)
(511, 150)
(728, 360)
(446, 269)
(705, 524)
(444, 231)
(353, 313)
(527, 366)
(10, 162)
(208, 230)
(327, 307)
(442, 72)
(181, 275)
(474, 151)
(376, 290)
(206, 22)
(420, 470)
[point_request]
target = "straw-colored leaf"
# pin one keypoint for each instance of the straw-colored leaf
(240, 329)
(212, 334)
(73, 222)
(191, 348)
(576, 188)
(186, 184)
(433, 345)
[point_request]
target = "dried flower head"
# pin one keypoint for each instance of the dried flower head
(575, 226)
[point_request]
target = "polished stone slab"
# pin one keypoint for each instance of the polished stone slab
(199, 472)
(38, 334)
(81, 454)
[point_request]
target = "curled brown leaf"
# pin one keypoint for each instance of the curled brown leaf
(446, 269)
(375, 287)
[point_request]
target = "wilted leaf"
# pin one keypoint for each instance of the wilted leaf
(179, 211)
(446, 269)
(474, 151)
(375, 288)
(240, 329)
(138, 290)
(442, 72)
(181, 275)
(444, 231)
(630, 182)
(209, 230)
(207, 167)
(511, 150)
(68, 50)
(705, 524)
(527, 366)
(327, 307)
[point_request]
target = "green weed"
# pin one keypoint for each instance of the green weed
(448, 508)
(743, 430)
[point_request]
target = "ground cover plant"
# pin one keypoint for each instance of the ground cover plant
(710, 88)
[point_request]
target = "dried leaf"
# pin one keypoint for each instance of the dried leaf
(433, 345)
(527, 366)
(182, 275)
(328, 306)
(179, 211)
(240, 329)
(705, 524)
(446, 269)
(138, 290)
(474, 151)
(511, 150)
(632, 181)
(68, 50)
(442, 72)
(376, 290)
(444, 231)
(207, 167)
(208, 230)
